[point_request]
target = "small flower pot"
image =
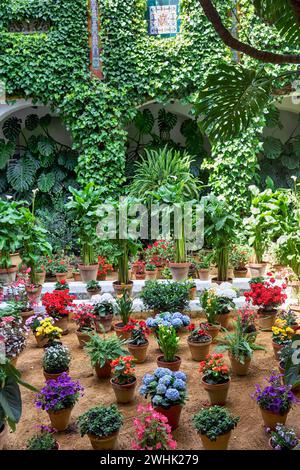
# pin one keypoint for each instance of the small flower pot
(223, 319)
(277, 348)
(40, 341)
(101, 277)
(103, 323)
(213, 330)
(199, 351)
(180, 271)
(217, 392)
(272, 419)
(8, 275)
(60, 419)
(173, 366)
(104, 443)
(193, 293)
(83, 338)
(266, 319)
(240, 273)
(26, 314)
(33, 293)
(103, 372)
(221, 443)
(151, 275)
(237, 367)
(121, 288)
(118, 327)
(53, 376)
(77, 277)
(124, 393)
(88, 272)
(62, 323)
(61, 276)
(140, 277)
(204, 274)
(3, 436)
(172, 414)
(91, 292)
(138, 352)
(41, 277)
(258, 269)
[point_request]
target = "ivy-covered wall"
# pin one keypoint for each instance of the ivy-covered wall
(53, 68)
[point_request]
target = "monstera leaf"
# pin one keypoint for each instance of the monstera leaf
(272, 147)
(193, 137)
(12, 128)
(281, 14)
(291, 161)
(46, 181)
(68, 159)
(3, 181)
(21, 173)
(6, 152)
(46, 146)
(31, 122)
(166, 122)
(144, 121)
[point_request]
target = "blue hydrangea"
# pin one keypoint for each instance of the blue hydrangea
(166, 380)
(151, 323)
(177, 315)
(180, 375)
(177, 323)
(161, 372)
(148, 378)
(166, 323)
(161, 389)
(143, 390)
(179, 384)
(186, 320)
(156, 400)
(172, 394)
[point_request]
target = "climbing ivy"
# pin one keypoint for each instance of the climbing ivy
(53, 68)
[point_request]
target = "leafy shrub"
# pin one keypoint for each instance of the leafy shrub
(214, 421)
(56, 359)
(104, 349)
(100, 421)
(166, 297)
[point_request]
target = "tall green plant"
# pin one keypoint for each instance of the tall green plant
(11, 223)
(124, 308)
(168, 342)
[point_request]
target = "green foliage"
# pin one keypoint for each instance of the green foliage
(214, 422)
(100, 421)
(166, 297)
(124, 308)
(10, 229)
(168, 342)
(42, 441)
(102, 350)
(56, 359)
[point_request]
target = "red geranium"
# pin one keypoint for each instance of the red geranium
(103, 266)
(57, 302)
(83, 315)
(266, 294)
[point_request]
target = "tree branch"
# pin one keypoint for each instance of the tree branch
(232, 42)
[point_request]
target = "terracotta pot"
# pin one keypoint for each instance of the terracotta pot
(204, 274)
(61, 276)
(213, 330)
(26, 314)
(104, 443)
(174, 366)
(124, 393)
(237, 367)
(138, 352)
(53, 376)
(140, 277)
(15, 259)
(266, 319)
(217, 392)
(118, 327)
(258, 269)
(3, 436)
(103, 372)
(151, 275)
(278, 267)
(221, 443)
(193, 293)
(179, 271)
(101, 277)
(173, 414)
(121, 288)
(60, 419)
(277, 348)
(83, 338)
(41, 342)
(199, 351)
(77, 277)
(240, 273)
(8, 275)
(103, 323)
(271, 419)
(216, 281)
(41, 277)
(88, 272)
(223, 319)
(92, 292)
(62, 323)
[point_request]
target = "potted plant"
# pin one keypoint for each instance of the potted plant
(76, 275)
(138, 343)
(140, 270)
(282, 335)
(84, 317)
(44, 440)
(103, 268)
(199, 342)
(248, 317)
(165, 297)
(211, 305)
(239, 257)
(283, 438)
(168, 343)
(10, 236)
(104, 310)
(45, 331)
(215, 378)
(13, 334)
(175, 320)
(220, 231)
(167, 391)
(267, 296)
(123, 309)
(159, 254)
(56, 361)
(61, 270)
(240, 347)
(62, 285)
(203, 267)
(40, 272)
(83, 208)
(192, 289)
(33, 323)
(290, 317)
(123, 379)
(150, 272)
(58, 398)
(275, 401)
(152, 431)
(102, 425)
(17, 299)
(10, 398)
(215, 425)
(57, 304)
(102, 351)
(93, 288)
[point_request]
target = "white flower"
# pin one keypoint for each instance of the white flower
(138, 305)
(103, 298)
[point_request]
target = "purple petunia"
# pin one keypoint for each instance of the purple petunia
(59, 394)
(275, 397)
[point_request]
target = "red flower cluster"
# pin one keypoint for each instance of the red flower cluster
(133, 324)
(57, 302)
(123, 369)
(214, 365)
(266, 294)
(103, 266)
(83, 315)
(160, 253)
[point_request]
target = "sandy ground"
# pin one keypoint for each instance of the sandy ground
(248, 435)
